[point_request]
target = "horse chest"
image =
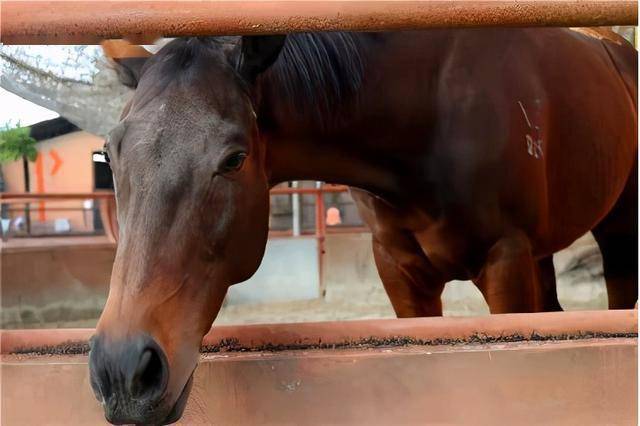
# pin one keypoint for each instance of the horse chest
(454, 253)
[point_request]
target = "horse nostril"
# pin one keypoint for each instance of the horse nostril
(149, 377)
(99, 371)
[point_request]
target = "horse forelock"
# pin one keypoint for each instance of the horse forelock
(185, 61)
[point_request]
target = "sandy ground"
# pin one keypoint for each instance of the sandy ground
(581, 288)
(578, 269)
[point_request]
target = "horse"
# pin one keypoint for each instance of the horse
(472, 154)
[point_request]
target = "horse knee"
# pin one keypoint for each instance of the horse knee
(412, 285)
(510, 280)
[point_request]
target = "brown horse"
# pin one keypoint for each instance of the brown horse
(476, 153)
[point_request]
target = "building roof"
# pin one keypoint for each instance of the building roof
(51, 128)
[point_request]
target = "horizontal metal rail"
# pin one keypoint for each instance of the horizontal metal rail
(33, 197)
(90, 21)
(107, 210)
(562, 325)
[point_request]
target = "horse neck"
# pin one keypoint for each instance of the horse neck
(335, 132)
(304, 157)
(306, 103)
(300, 148)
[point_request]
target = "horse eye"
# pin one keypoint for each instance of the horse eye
(234, 162)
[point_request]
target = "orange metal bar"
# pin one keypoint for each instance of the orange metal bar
(6, 197)
(30, 197)
(584, 382)
(90, 21)
(108, 209)
(323, 189)
(560, 324)
(330, 230)
(23, 197)
(320, 235)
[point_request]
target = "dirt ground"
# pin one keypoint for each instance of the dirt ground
(578, 270)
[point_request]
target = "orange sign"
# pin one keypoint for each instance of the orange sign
(57, 162)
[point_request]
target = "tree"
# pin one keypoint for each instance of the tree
(77, 82)
(15, 143)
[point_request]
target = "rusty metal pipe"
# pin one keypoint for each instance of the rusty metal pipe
(90, 21)
(32, 197)
(559, 324)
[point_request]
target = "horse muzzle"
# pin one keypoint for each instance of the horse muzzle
(130, 378)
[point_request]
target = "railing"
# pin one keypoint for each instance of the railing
(107, 211)
(12, 199)
(89, 22)
(106, 208)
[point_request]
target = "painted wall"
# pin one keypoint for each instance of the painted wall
(63, 165)
(289, 271)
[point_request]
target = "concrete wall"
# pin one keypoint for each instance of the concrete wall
(289, 271)
(67, 286)
(48, 286)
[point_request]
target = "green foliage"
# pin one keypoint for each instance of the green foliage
(15, 143)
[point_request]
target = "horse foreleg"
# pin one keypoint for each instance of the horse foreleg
(617, 237)
(412, 284)
(548, 285)
(512, 280)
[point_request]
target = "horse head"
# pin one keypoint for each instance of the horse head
(192, 197)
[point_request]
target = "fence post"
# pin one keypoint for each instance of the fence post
(295, 210)
(320, 233)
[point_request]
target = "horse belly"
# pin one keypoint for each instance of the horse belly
(572, 141)
(591, 154)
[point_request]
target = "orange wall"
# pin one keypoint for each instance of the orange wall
(74, 173)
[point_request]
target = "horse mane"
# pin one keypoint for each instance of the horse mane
(315, 72)
(182, 54)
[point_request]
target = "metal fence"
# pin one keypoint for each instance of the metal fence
(89, 22)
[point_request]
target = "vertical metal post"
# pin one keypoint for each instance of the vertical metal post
(27, 187)
(295, 210)
(320, 233)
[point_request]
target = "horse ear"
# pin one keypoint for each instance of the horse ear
(257, 53)
(127, 59)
